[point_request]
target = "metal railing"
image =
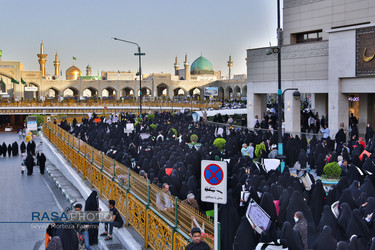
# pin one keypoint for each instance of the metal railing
(135, 197)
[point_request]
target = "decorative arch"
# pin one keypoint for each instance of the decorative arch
(31, 94)
(127, 92)
(53, 92)
(221, 92)
(90, 92)
(237, 92)
(194, 92)
(228, 92)
(244, 91)
(70, 92)
(179, 92)
(162, 90)
(109, 92)
(146, 92)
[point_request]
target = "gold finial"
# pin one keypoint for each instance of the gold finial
(230, 62)
(41, 48)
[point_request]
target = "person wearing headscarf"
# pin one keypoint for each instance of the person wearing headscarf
(30, 164)
(290, 238)
(348, 198)
(23, 146)
(68, 236)
(301, 227)
(92, 204)
(297, 203)
(269, 207)
(357, 226)
(325, 240)
(55, 244)
(369, 133)
(317, 200)
(328, 219)
(42, 163)
(9, 150)
(343, 221)
(246, 237)
(229, 220)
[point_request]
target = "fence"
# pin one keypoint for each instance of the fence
(135, 197)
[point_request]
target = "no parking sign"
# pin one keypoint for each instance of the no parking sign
(214, 181)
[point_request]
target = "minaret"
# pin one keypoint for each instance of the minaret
(56, 63)
(186, 65)
(230, 65)
(88, 70)
(176, 68)
(42, 60)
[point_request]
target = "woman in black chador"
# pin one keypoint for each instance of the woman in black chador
(92, 204)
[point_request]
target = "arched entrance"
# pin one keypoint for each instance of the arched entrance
(90, 92)
(237, 92)
(52, 93)
(162, 90)
(195, 92)
(31, 91)
(221, 92)
(244, 91)
(228, 93)
(71, 92)
(127, 92)
(179, 92)
(146, 92)
(109, 92)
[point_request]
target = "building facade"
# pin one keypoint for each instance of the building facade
(328, 52)
(18, 83)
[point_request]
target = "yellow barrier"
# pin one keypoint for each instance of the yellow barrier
(135, 197)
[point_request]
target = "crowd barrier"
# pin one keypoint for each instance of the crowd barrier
(135, 197)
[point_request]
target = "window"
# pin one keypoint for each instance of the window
(307, 37)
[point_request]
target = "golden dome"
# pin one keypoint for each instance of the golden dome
(73, 73)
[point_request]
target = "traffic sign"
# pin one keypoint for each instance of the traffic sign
(214, 181)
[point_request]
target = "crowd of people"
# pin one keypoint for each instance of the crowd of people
(30, 158)
(300, 218)
(61, 236)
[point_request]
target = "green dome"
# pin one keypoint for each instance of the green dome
(201, 66)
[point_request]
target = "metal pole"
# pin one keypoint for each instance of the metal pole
(279, 91)
(140, 82)
(216, 231)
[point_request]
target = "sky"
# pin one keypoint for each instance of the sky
(164, 29)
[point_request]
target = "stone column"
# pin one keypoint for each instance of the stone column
(292, 112)
(338, 110)
(364, 116)
(256, 105)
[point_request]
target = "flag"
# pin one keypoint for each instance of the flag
(60, 72)
(14, 81)
(22, 81)
(74, 58)
(2, 83)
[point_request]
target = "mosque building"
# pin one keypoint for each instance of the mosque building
(200, 81)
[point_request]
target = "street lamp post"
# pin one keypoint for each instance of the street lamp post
(139, 54)
(279, 91)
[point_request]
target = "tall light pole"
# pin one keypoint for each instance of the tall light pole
(279, 91)
(139, 54)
